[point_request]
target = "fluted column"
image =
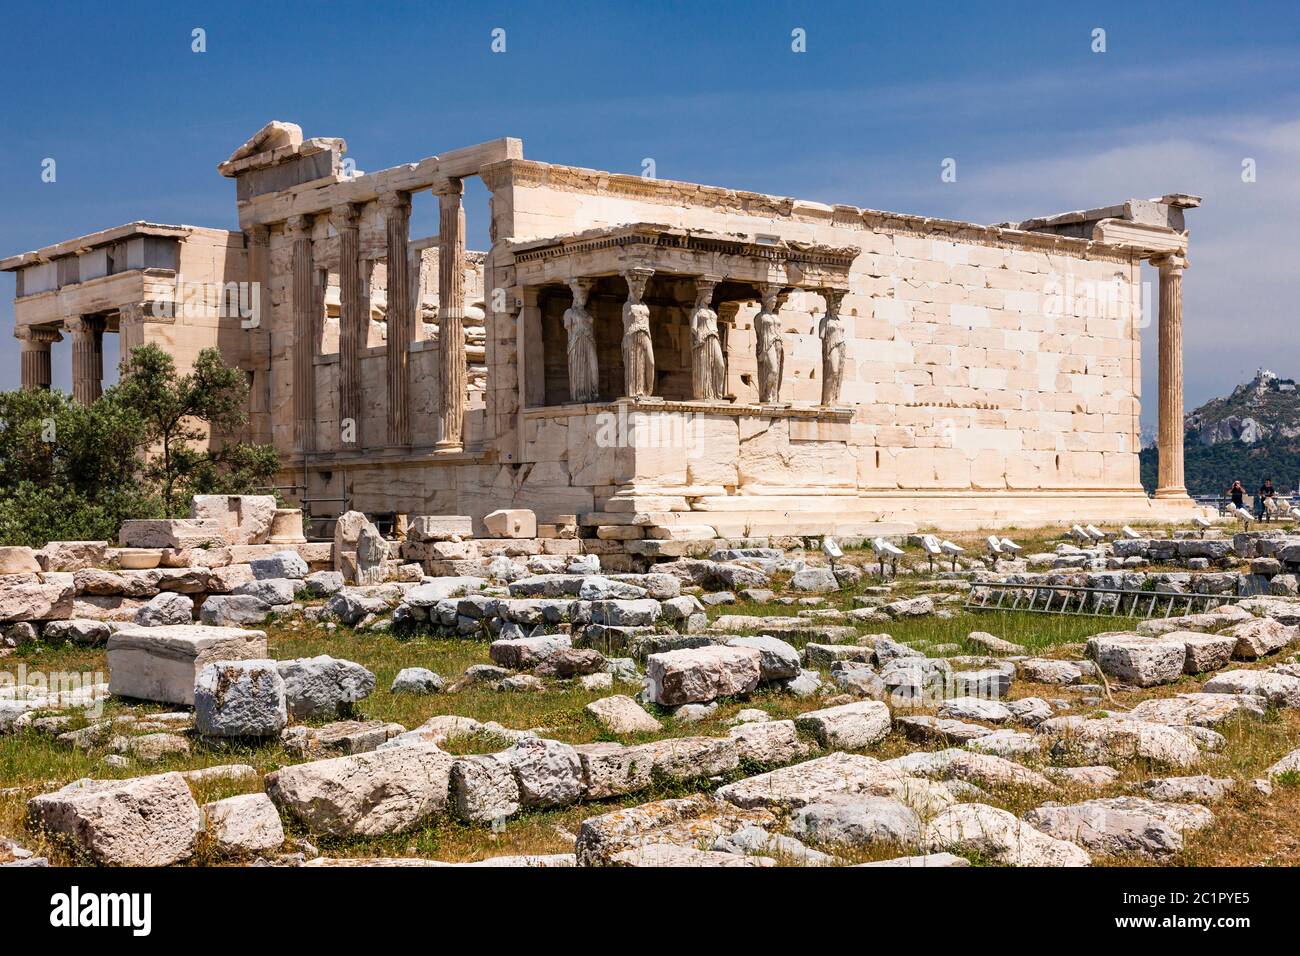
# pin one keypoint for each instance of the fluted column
(87, 333)
(352, 323)
(401, 317)
(304, 335)
(36, 342)
(1169, 440)
(451, 315)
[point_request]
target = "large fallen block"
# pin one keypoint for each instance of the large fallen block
(848, 726)
(1136, 660)
(1121, 826)
(27, 597)
(163, 663)
(702, 674)
(370, 794)
(142, 821)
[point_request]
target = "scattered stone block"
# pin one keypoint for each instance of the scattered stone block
(141, 821)
(244, 825)
(281, 564)
(166, 608)
(511, 523)
(324, 686)
(1121, 826)
(857, 821)
(1140, 661)
(1259, 638)
(1198, 710)
(548, 772)
(416, 680)
(24, 598)
(163, 663)
(1280, 690)
(483, 788)
(239, 699)
(848, 726)
(999, 836)
(391, 790)
(778, 659)
(622, 715)
(702, 674)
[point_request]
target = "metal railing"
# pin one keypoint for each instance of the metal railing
(1096, 602)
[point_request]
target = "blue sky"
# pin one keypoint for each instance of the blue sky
(713, 93)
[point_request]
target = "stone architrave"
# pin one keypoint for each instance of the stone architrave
(769, 344)
(584, 371)
(638, 349)
(708, 367)
(831, 330)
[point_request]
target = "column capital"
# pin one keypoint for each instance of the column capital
(704, 286)
(299, 227)
(344, 216)
(833, 299)
(82, 324)
(1175, 262)
(36, 336)
(637, 277)
(580, 286)
(259, 234)
(453, 187)
(395, 200)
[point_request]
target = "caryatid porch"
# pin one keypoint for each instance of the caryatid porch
(648, 312)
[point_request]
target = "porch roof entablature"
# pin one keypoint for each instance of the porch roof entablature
(672, 250)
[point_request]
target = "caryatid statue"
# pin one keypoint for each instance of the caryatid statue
(708, 368)
(831, 330)
(638, 350)
(584, 381)
(771, 348)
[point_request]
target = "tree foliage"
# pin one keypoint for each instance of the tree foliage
(69, 472)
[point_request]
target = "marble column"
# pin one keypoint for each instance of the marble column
(708, 367)
(451, 315)
(400, 317)
(305, 323)
(831, 331)
(353, 322)
(36, 342)
(638, 348)
(769, 345)
(87, 333)
(1169, 440)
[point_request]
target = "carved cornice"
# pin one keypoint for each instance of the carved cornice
(530, 173)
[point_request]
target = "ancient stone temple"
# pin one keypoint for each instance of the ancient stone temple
(668, 358)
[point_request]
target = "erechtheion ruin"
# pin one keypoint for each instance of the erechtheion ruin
(661, 359)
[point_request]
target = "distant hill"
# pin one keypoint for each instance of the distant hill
(1251, 434)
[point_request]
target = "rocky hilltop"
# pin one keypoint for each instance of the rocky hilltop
(1265, 407)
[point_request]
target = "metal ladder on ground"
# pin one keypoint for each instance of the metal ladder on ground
(1089, 601)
